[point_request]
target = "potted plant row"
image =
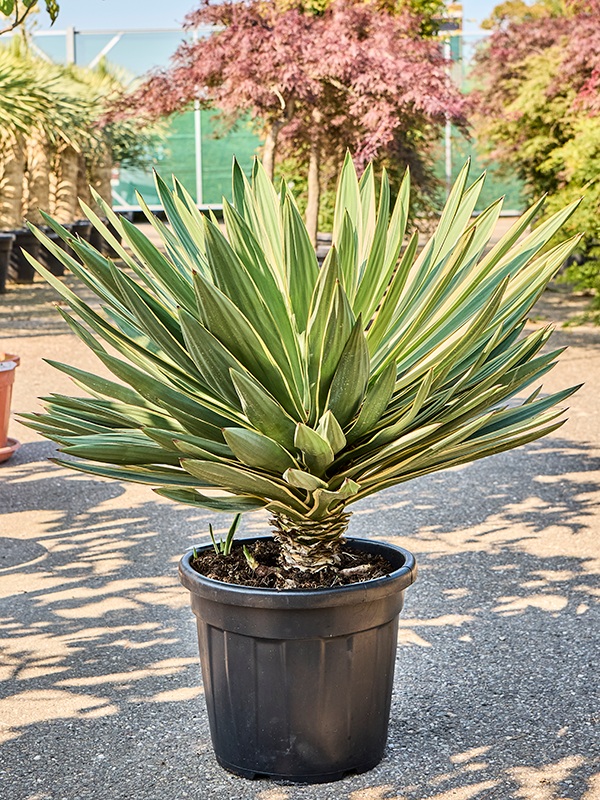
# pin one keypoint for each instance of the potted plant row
(14, 243)
(246, 377)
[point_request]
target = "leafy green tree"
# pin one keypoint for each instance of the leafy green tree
(537, 109)
(16, 11)
(518, 11)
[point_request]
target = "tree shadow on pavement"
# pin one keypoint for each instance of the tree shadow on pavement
(496, 691)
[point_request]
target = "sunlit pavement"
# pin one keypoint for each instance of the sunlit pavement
(497, 685)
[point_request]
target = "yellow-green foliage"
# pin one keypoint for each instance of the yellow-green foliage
(554, 145)
(244, 368)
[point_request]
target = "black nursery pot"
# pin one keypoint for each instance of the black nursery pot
(99, 242)
(82, 228)
(22, 271)
(6, 243)
(298, 683)
(54, 264)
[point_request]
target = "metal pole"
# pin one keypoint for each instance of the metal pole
(448, 133)
(198, 149)
(198, 143)
(70, 44)
(105, 50)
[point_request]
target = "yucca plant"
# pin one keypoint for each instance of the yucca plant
(251, 378)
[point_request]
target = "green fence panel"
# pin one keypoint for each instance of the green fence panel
(139, 51)
(178, 157)
(497, 184)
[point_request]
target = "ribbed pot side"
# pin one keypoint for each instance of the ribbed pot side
(298, 683)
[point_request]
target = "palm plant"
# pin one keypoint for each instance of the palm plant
(51, 119)
(40, 109)
(249, 378)
(129, 142)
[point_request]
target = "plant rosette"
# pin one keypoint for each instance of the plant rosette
(249, 378)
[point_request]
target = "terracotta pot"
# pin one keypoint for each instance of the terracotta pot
(8, 364)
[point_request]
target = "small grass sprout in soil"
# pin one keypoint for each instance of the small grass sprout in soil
(259, 564)
(224, 547)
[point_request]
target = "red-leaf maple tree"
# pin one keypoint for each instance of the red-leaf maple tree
(353, 76)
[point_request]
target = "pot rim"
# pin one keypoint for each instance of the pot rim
(8, 358)
(353, 593)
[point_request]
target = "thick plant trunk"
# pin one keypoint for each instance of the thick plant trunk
(99, 172)
(314, 193)
(66, 208)
(12, 177)
(39, 168)
(312, 545)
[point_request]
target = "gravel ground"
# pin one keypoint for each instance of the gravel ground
(497, 692)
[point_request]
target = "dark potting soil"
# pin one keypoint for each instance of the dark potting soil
(356, 566)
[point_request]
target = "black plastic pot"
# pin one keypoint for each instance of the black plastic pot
(53, 264)
(6, 243)
(298, 683)
(97, 241)
(21, 270)
(82, 228)
(110, 251)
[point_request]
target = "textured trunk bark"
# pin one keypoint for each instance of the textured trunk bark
(314, 193)
(39, 168)
(270, 145)
(66, 208)
(53, 184)
(270, 148)
(99, 173)
(12, 177)
(311, 545)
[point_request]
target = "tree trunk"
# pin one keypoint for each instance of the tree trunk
(12, 177)
(270, 145)
(311, 545)
(314, 193)
(66, 209)
(39, 168)
(270, 148)
(99, 172)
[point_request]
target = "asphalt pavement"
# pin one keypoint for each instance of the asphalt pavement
(497, 689)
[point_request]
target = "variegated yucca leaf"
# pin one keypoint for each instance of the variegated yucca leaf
(248, 377)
